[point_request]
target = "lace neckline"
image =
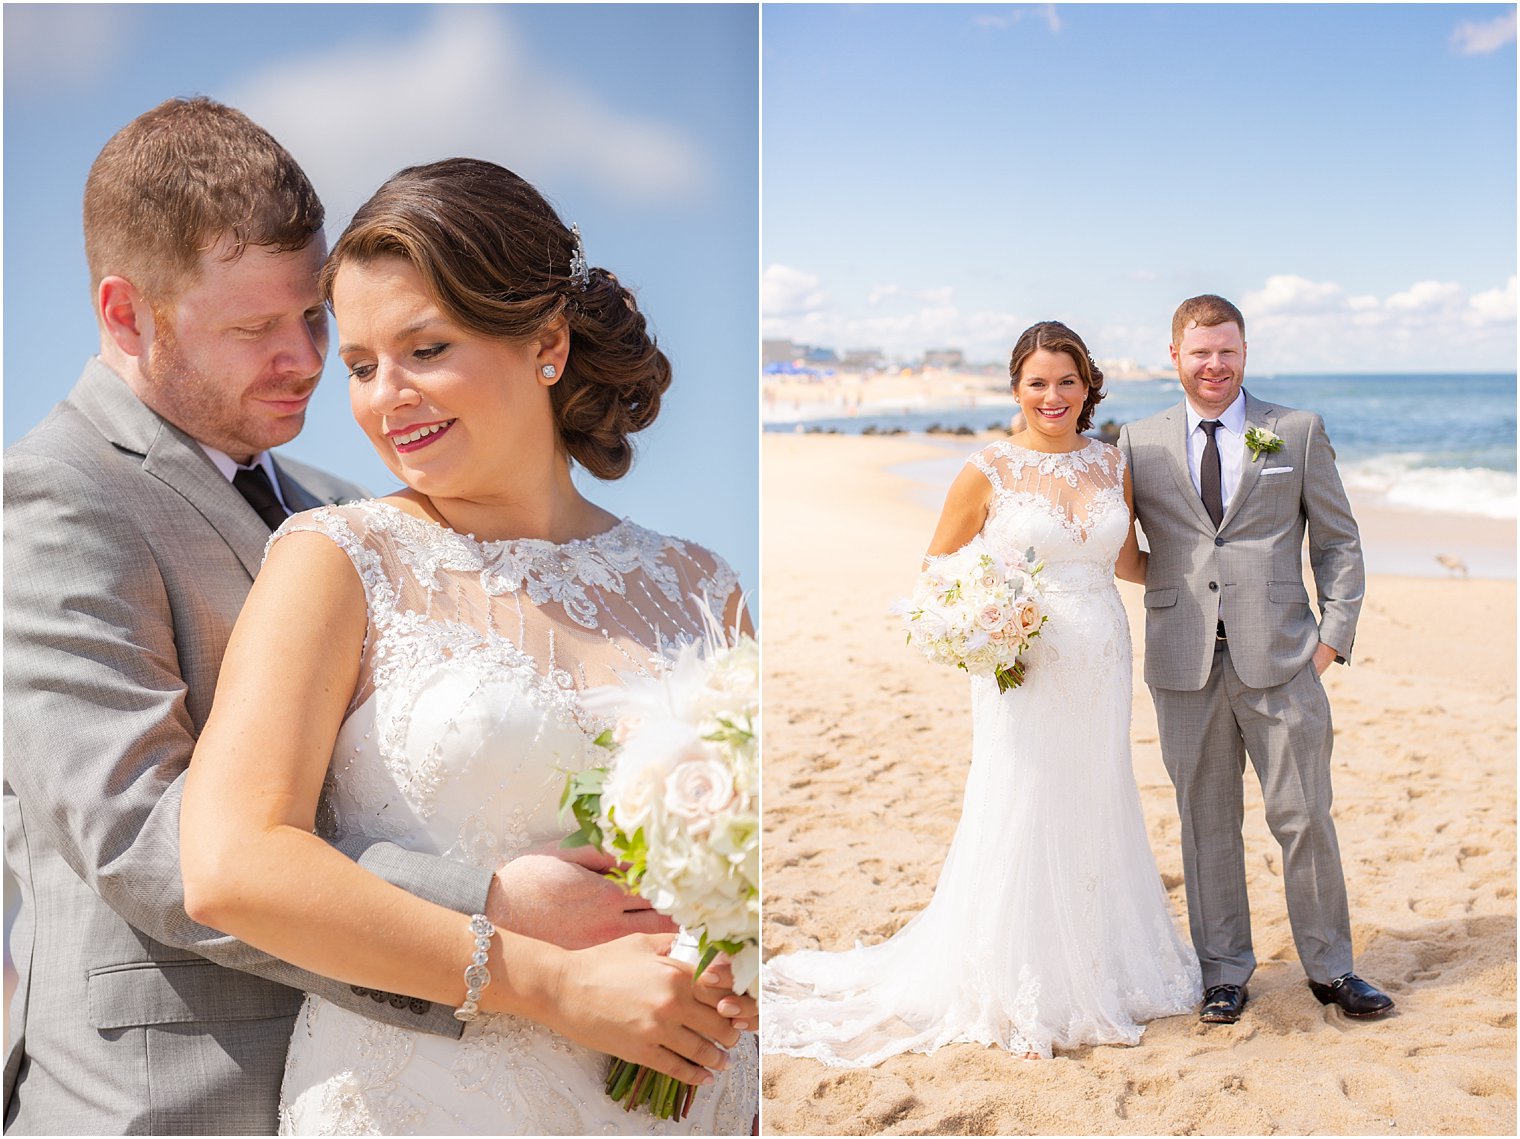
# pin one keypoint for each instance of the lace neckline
(528, 547)
(1052, 456)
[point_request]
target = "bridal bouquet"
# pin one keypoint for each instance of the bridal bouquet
(978, 610)
(679, 808)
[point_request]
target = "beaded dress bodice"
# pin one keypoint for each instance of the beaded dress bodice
(1070, 507)
(465, 721)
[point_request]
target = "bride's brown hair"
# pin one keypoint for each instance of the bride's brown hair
(1053, 336)
(496, 257)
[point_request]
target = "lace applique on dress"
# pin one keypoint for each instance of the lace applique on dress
(1078, 486)
(466, 720)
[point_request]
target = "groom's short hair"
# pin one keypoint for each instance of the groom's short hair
(1205, 311)
(176, 180)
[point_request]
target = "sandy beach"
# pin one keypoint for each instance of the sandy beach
(860, 731)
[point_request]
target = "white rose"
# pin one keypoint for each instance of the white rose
(624, 729)
(698, 788)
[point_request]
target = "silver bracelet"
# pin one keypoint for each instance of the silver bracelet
(476, 975)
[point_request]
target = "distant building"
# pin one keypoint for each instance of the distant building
(862, 359)
(947, 359)
(821, 356)
(1128, 368)
(779, 351)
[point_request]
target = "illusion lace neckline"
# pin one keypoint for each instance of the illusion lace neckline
(1010, 445)
(508, 545)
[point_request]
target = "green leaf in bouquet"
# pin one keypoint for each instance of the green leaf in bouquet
(589, 782)
(605, 740)
(583, 797)
(588, 833)
(729, 732)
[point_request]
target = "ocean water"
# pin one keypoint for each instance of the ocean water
(1423, 442)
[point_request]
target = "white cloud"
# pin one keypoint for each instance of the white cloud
(51, 46)
(1294, 324)
(1496, 306)
(1427, 296)
(463, 85)
(1290, 294)
(1475, 38)
(786, 292)
(797, 308)
(1007, 19)
(1301, 325)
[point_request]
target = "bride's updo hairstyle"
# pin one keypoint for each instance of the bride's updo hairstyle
(497, 259)
(1053, 336)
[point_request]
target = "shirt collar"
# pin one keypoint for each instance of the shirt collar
(230, 466)
(1233, 419)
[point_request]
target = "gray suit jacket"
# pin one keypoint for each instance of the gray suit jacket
(1250, 572)
(127, 559)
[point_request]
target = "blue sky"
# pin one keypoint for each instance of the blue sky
(639, 122)
(944, 176)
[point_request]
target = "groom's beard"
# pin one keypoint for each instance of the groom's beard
(219, 411)
(1233, 379)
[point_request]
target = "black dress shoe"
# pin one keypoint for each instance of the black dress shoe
(1222, 1004)
(1355, 996)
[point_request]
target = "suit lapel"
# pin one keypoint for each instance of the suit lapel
(173, 458)
(296, 496)
(1262, 415)
(1176, 433)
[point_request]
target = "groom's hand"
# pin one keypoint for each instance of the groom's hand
(562, 897)
(1324, 657)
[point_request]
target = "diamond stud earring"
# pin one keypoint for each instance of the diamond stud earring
(549, 371)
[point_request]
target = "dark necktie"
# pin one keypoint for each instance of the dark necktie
(254, 485)
(1210, 480)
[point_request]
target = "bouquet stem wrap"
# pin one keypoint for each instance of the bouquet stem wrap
(634, 1085)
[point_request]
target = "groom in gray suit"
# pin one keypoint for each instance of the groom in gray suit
(1225, 487)
(136, 516)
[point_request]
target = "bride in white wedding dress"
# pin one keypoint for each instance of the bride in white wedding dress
(1049, 927)
(424, 656)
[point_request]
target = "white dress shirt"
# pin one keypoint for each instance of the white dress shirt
(1231, 437)
(230, 467)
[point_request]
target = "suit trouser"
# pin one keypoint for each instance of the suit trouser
(1205, 738)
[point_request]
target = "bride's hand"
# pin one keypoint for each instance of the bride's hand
(716, 987)
(628, 998)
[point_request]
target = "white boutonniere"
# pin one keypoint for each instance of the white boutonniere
(1262, 442)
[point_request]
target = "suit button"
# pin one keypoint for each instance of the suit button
(397, 1001)
(1214, 586)
(1218, 541)
(359, 992)
(419, 1006)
